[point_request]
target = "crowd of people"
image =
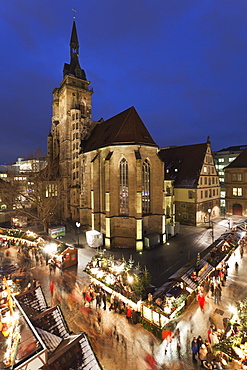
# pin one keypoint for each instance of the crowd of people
(202, 351)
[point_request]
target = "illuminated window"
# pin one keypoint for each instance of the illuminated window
(205, 169)
(221, 160)
(146, 187)
(237, 192)
(123, 188)
(51, 190)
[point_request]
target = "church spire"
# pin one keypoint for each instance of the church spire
(74, 44)
(74, 69)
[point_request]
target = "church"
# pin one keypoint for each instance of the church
(112, 177)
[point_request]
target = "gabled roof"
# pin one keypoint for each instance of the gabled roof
(124, 128)
(240, 161)
(235, 148)
(183, 164)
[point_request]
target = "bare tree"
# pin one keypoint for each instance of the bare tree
(35, 194)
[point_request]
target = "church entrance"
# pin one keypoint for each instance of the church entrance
(237, 209)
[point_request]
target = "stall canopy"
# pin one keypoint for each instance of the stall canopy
(51, 327)
(94, 238)
(204, 270)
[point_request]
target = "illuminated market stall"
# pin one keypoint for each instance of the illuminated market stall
(63, 254)
(166, 304)
(119, 277)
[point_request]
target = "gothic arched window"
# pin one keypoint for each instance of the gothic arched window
(146, 187)
(123, 188)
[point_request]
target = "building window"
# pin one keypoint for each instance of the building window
(221, 160)
(190, 194)
(146, 187)
(237, 177)
(232, 159)
(237, 192)
(205, 169)
(51, 190)
(124, 188)
(201, 194)
(206, 193)
(205, 180)
(168, 211)
(82, 109)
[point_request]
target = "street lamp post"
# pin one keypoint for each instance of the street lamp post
(209, 214)
(78, 224)
(209, 219)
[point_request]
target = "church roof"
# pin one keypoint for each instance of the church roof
(240, 161)
(124, 128)
(183, 164)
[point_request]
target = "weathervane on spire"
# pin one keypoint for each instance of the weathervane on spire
(74, 13)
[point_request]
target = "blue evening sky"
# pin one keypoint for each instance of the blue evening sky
(181, 63)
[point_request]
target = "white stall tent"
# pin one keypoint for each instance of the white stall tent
(94, 238)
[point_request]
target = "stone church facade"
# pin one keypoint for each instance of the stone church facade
(112, 177)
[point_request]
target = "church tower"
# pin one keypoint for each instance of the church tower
(71, 121)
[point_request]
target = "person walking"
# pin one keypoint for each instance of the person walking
(203, 353)
(199, 341)
(111, 302)
(212, 289)
(129, 313)
(104, 300)
(98, 300)
(194, 349)
(217, 294)
(201, 300)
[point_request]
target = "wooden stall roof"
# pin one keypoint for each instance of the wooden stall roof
(194, 284)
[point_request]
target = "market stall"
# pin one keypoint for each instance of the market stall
(15, 332)
(164, 306)
(67, 257)
(63, 254)
(119, 277)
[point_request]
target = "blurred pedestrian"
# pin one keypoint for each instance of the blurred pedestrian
(98, 300)
(201, 300)
(203, 353)
(129, 313)
(104, 300)
(217, 294)
(199, 341)
(51, 287)
(194, 349)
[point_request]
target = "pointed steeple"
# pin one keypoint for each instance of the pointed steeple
(74, 69)
(74, 44)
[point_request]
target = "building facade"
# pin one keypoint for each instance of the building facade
(236, 185)
(195, 181)
(222, 159)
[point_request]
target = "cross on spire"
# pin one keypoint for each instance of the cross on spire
(74, 17)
